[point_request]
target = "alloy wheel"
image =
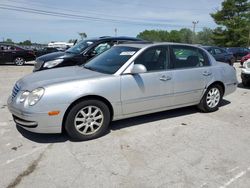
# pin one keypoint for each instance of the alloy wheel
(19, 61)
(213, 97)
(88, 120)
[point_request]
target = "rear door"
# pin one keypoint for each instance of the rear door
(191, 73)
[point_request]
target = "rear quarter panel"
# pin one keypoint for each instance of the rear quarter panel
(226, 74)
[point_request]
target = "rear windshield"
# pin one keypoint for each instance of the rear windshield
(112, 60)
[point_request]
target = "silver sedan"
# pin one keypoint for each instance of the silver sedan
(127, 80)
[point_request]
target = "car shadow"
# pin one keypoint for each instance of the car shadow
(240, 85)
(116, 125)
(43, 138)
(120, 124)
(29, 63)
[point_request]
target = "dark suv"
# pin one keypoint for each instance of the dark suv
(220, 54)
(80, 53)
(238, 52)
(16, 54)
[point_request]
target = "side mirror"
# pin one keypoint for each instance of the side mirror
(138, 68)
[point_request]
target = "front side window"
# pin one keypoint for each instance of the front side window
(187, 57)
(154, 59)
(102, 48)
(111, 60)
(81, 46)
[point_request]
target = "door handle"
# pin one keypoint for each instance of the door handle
(165, 78)
(206, 73)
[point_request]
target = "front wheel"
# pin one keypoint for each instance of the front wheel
(87, 120)
(211, 99)
(19, 61)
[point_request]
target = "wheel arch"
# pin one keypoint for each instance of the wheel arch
(218, 83)
(16, 56)
(88, 97)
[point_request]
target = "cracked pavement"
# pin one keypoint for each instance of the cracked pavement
(177, 148)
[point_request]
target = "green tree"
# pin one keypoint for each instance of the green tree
(186, 36)
(205, 37)
(26, 42)
(233, 20)
(82, 35)
(174, 36)
(154, 35)
(9, 41)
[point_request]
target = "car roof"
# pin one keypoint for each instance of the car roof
(114, 38)
(143, 45)
(211, 47)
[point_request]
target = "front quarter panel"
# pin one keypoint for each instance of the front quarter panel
(66, 93)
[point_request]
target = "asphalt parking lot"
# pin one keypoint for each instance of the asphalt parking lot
(177, 148)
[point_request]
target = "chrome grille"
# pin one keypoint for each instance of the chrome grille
(15, 90)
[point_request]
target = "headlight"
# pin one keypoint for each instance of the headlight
(35, 96)
(52, 63)
(23, 96)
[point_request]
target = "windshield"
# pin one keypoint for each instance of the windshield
(110, 61)
(79, 47)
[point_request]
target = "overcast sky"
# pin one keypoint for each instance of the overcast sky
(98, 17)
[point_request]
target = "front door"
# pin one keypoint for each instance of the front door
(151, 90)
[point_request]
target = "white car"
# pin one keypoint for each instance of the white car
(245, 73)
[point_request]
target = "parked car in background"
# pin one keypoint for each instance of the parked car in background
(15, 54)
(220, 54)
(245, 73)
(80, 53)
(46, 50)
(126, 81)
(238, 52)
(244, 58)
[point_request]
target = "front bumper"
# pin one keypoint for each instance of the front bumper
(36, 122)
(245, 76)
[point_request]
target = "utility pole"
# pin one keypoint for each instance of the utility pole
(116, 32)
(194, 26)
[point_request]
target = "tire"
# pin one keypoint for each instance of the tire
(87, 120)
(215, 93)
(19, 61)
(245, 83)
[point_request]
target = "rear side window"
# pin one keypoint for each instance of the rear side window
(188, 57)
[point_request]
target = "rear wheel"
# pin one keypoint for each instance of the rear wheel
(19, 61)
(211, 99)
(87, 120)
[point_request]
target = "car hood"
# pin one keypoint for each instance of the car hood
(55, 55)
(59, 75)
